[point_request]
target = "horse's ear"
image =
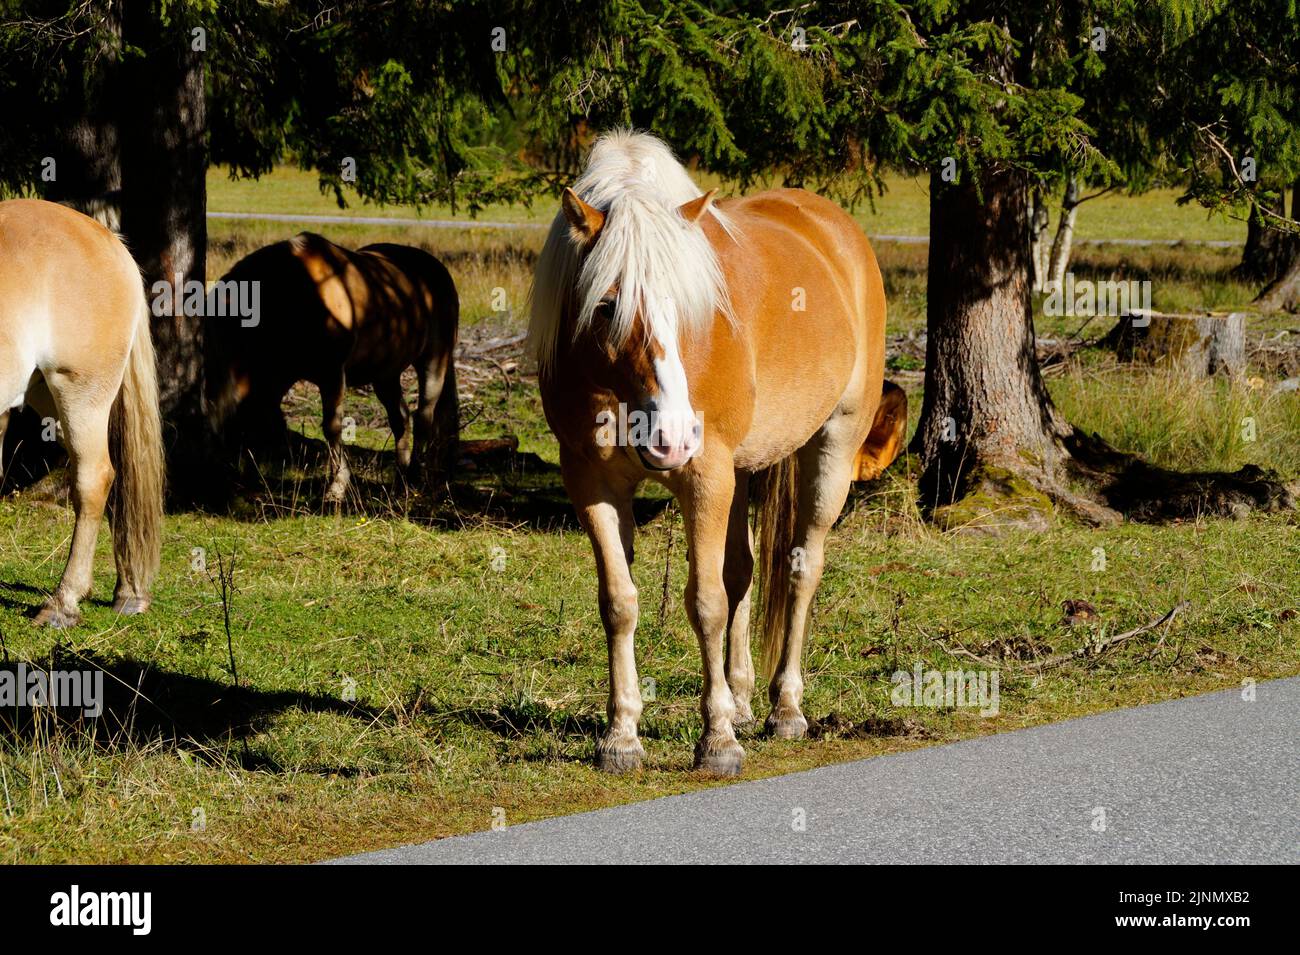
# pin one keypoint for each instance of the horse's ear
(585, 222)
(691, 211)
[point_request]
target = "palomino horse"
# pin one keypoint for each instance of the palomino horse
(735, 338)
(74, 342)
(336, 318)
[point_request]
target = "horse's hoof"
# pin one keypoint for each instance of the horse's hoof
(719, 759)
(130, 606)
(54, 616)
(743, 718)
(619, 758)
(786, 725)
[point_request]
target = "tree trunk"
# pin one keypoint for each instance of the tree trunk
(1283, 292)
(1266, 253)
(994, 451)
(87, 160)
(163, 213)
(164, 191)
(1063, 244)
(986, 414)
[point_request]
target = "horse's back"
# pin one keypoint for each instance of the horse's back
(325, 306)
(792, 231)
(810, 310)
(305, 315)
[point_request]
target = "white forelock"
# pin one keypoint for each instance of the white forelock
(661, 264)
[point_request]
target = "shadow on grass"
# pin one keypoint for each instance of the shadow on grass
(1147, 493)
(141, 705)
(499, 485)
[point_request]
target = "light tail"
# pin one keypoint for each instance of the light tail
(136, 448)
(777, 498)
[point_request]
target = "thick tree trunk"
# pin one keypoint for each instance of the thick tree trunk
(1283, 292)
(164, 192)
(986, 413)
(164, 204)
(86, 153)
(994, 451)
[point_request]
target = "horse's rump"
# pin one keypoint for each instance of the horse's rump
(74, 321)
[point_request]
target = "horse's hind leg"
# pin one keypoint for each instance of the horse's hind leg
(436, 417)
(85, 427)
(332, 391)
(826, 468)
(389, 393)
(738, 578)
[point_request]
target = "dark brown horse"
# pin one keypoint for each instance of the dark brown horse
(308, 310)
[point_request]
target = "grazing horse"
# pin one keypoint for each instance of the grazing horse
(700, 345)
(74, 343)
(335, 317)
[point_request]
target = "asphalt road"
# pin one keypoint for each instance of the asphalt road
(1207, 779)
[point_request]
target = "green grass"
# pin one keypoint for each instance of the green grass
(479, 688)
(904, 209)
(1213, 426)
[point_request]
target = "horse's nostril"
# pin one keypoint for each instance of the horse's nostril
(697, 430)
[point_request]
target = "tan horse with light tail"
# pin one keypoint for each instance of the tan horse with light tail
(74, 343)
(704, 346)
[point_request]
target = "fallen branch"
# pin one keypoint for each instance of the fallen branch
(1088, 650)
(491, 345)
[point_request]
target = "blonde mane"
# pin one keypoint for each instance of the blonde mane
(663, 266)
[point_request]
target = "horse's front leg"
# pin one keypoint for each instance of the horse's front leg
(332, 391)
(706, 506)
(605, 510)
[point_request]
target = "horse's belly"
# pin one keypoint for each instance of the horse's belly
(799, 382)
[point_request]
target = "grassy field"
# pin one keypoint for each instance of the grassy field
(408, 668)
(903, 210)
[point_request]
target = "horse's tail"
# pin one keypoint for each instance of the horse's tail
(777, 495)
(136, 448)
(885, 440)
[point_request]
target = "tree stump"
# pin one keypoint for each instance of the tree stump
(1197, 345)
